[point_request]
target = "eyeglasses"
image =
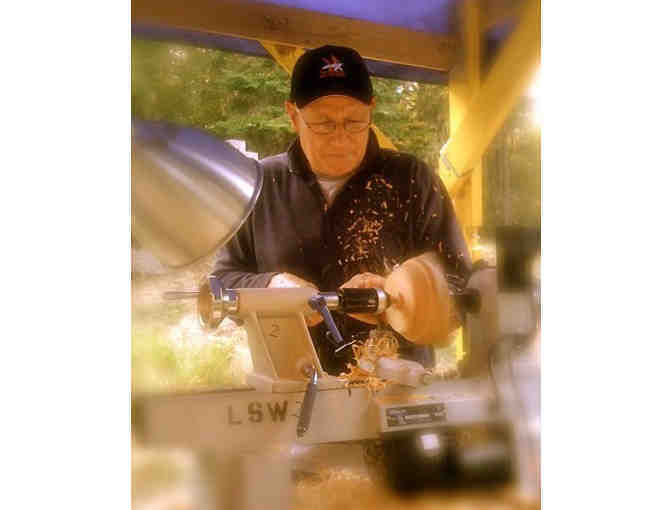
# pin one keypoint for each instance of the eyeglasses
(328, 127)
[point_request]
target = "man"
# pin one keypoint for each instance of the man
(337, 210)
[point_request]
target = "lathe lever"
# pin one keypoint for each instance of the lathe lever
(307, 405)
(319, 304)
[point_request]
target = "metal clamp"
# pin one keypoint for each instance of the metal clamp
(307, 405)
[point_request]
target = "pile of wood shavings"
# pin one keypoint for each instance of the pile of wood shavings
(338, 490)
(341, 489)
(381, 343)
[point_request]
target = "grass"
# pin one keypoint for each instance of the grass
(167, 357)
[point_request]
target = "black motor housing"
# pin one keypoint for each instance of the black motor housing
(478, 456)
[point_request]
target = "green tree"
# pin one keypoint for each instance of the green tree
(512, 175)
(238, 96)
(229, 95)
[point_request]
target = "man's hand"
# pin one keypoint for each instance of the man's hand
(288, 281)
(291, 281)
(365, 281)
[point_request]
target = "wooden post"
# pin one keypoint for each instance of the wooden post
(464, 83)
(478, 110)
(510, 76)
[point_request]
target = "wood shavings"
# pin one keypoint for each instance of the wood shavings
(344, 489)
(381, 343)
(363, 225)
(446, 372)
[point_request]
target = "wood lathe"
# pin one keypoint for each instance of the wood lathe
(190, 193)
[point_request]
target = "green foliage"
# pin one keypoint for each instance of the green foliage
(241, 97)
(512, 176)
(229, 95)
(160, 363)
(414, 116)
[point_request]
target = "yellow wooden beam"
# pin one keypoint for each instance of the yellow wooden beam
(286, 56)
(473, 22)
(476, 200)
(499, 12)
(300, 28)
(510, 76)
(465, 81)
(383, 140)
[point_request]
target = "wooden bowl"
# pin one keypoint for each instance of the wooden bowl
(423, 308)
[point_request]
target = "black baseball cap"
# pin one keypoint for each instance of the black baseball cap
(328, 71)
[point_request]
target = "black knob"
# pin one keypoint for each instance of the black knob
(469, 300)
(358, 300)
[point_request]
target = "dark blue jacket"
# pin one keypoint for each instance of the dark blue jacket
(393, 208)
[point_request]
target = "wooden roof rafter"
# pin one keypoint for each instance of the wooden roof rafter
(300, 28)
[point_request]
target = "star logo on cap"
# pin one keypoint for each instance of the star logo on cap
(333, 67)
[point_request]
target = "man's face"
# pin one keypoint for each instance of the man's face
(340, 152)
